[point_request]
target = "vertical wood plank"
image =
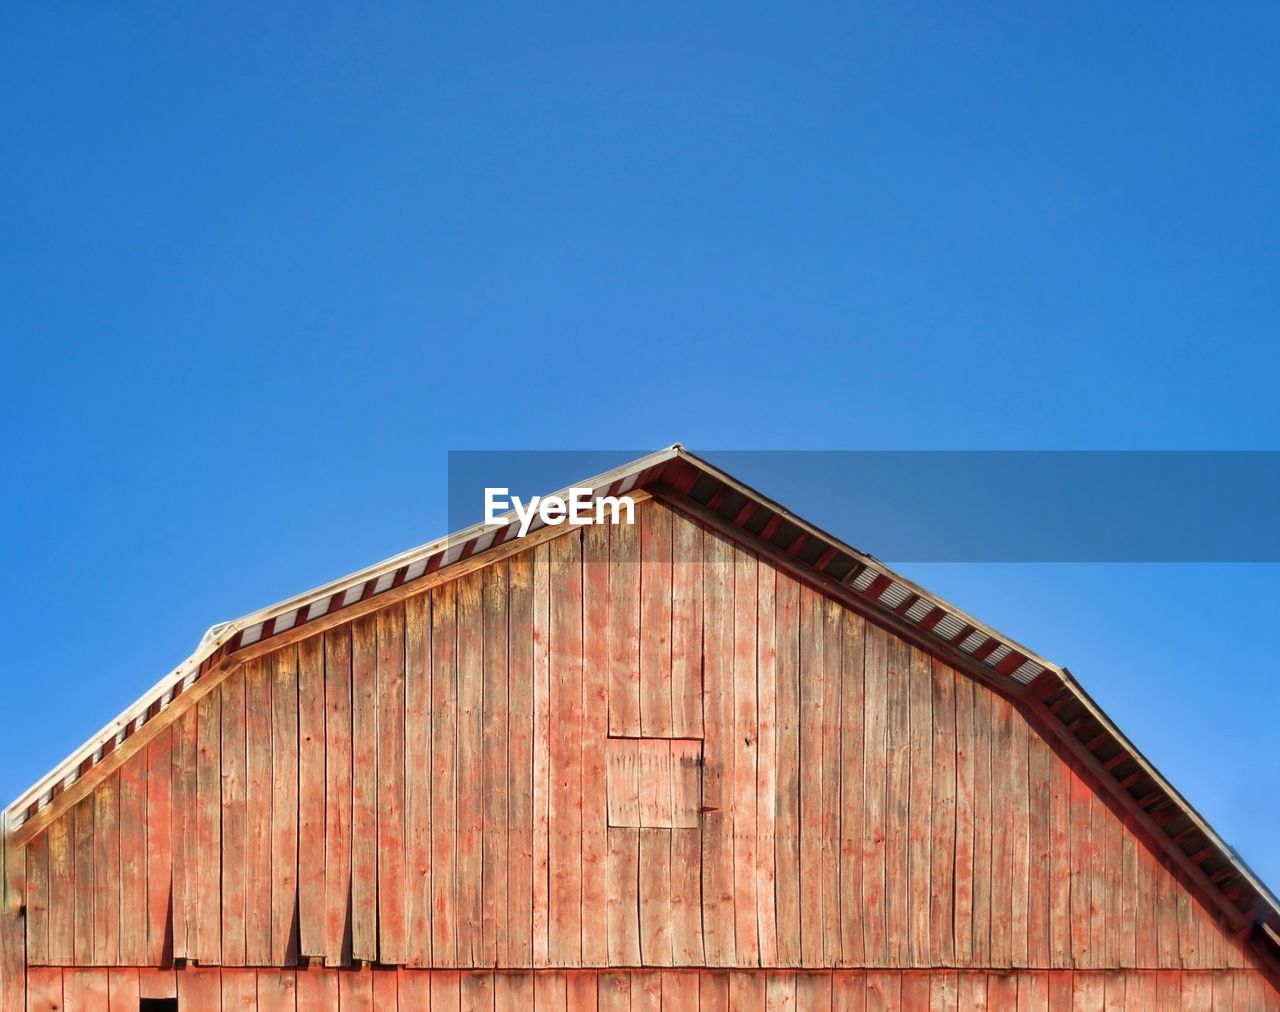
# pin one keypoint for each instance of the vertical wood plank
(541, 661)
(1145, 946)
(971, 989)
(921, 808)
(680, 990)
(106, 872)
(613, 992)
(200, 988)
(655, 897)
(1003, 831)
(811, 813)
(718, 922)
(133, 861)
(875, 779)
(385, 990)
(392, 916)
(623, 903)
(943, 987)
(1033, 991)
(317, 988)
(476, 993)
(595, 729)
(1118, 885)
(355, 987)
(787, 796)
(519, 940)
(814, 991)
(1061, 990)
(444, 703)
(1039, 898)
(622, 781)
(338, 799)
(654, 782)
(186, 844)
(549, 991)
(1059, 870)
(13, 943)
(239, 990)
(492, 801)
(654, 523)
(1125, 926)
(446, 989)
(233, 812)
(565, 809)
(1166, 917)
(1102, 868)
(849, 989)
(1019, 868)
(62, 890)
(311, 797)
(915, 989)
(37, 899)
(983, 716)
(153, 983)
(746, 992)
(713, 992)
(852, 729)
(686, 628)
(1002, 988)
(82, 928)
(1098, 891)
(257, 813)
(942, 848)
(686, 898)
(767, 764)
(418, 774)
(745, 742)
(1188, 936)
(44, 991)
(884, 990)
(897, 799)
(413, 987)
(160, 850)
(1089, 992)
(966, 798)
(122, 989)
(364, 789)
(833, 657)
(624, 629)
(780, 991)
(85, 989)
(1081, 864)
(284, 808)
(277, 991)
(468, 925)
(580, 992)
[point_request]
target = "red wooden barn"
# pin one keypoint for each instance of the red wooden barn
(717, 759)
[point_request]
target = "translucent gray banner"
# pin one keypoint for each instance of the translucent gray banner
(971, 506)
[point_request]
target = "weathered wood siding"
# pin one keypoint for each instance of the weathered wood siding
(429, 786)
(645, 990)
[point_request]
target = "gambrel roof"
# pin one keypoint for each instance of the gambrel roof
(1045, 692)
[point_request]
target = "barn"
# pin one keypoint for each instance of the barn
(716, 759)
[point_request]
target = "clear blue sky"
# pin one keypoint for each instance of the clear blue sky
(263, 265)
